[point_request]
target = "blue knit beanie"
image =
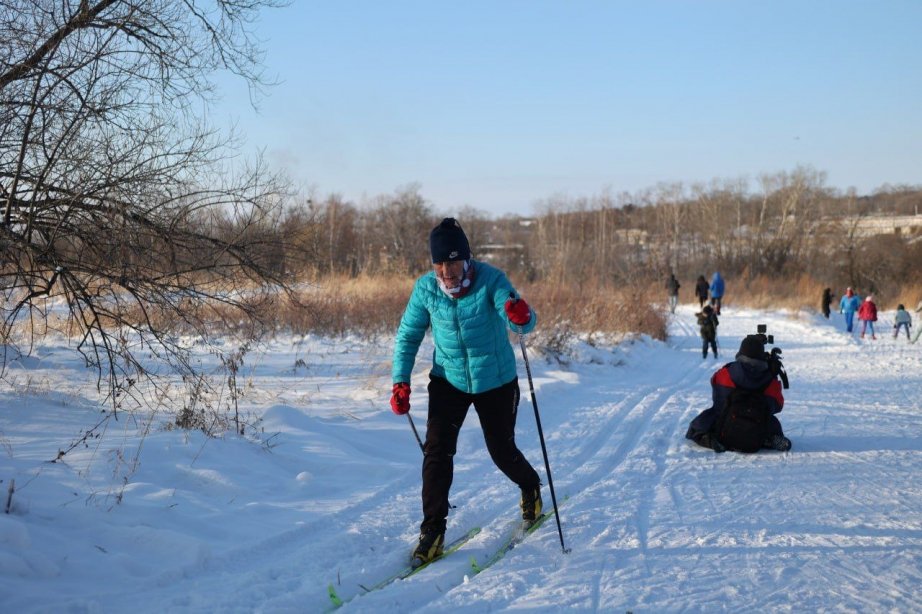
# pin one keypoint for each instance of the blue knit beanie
(447, 242)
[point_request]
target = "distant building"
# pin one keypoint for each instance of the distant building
(500, 253)
(870, 226)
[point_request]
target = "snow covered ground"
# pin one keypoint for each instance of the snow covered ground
(145, 519)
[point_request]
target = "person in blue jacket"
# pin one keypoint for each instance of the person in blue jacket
(469, 306)
(848, 306)
(717, 291)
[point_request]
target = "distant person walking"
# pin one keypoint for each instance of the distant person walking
(827, 301)
(701, 291)
(867, 313)
(707, 324)
(848, 306)
(717, 291)
(672, 289)
(902, 320)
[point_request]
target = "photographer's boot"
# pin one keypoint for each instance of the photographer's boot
(777, 442)
(708, 440)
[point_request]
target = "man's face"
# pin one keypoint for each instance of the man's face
(449, 273)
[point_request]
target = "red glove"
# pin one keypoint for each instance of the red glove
(518, 312)
(400, 399)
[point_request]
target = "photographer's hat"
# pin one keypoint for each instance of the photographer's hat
(752, 347)
(447, 242)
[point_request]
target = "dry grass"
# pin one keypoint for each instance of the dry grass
(909, 297)
(366, 306)
(369, 306)
(766, 293)
(373, 305)
(599, 308)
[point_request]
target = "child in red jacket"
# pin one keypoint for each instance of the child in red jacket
(867, 313)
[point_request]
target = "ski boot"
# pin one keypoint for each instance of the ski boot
(531, 505)
(429, 548)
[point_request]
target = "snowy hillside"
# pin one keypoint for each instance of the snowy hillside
(151, 520)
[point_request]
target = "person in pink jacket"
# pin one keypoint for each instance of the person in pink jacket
(867, 313)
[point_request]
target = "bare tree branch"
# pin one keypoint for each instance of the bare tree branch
(115, 201)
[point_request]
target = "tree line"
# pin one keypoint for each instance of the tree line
(784, 225)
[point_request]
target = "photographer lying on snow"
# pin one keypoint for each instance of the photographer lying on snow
(747, 395)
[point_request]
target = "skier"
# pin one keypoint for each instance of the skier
(717, 291)
(672, 289)
(469, 305)
(848, 306)
(867, 313)
(751, 371)
(701, 291)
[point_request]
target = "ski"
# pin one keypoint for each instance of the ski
(516, 537)
(404, 573)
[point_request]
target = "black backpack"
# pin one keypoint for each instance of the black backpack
(743, 425)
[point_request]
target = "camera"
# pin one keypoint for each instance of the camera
(774, 357)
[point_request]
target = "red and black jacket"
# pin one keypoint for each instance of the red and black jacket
(749, 374)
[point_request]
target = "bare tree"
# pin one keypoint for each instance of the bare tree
(671, 218)
(402, 222)
(786, 213)
(110, 183)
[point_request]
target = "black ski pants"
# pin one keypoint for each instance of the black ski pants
(705, 342)
(448, 407)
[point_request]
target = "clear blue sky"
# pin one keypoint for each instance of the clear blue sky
(499, 105)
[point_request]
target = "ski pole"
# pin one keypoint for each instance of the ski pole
(418, 440)
(547, 464)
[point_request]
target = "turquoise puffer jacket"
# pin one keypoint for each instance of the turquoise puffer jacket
(472, 349)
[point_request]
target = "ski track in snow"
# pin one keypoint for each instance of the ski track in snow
(655, 523)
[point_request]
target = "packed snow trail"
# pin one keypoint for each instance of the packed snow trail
(659, 524)
(655, 523)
